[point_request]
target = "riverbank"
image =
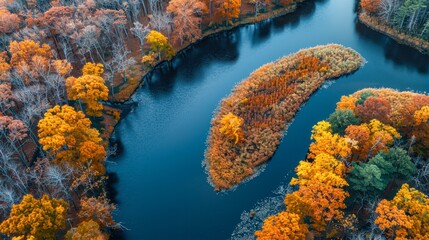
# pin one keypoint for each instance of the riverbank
(250, 123)
(374, 23)
(135, 74)
(332, 156)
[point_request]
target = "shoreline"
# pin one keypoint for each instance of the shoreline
(375, 24)
(206, 34)
(118, 104)
(264, 104)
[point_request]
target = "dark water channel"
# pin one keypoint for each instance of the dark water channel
(158, 180)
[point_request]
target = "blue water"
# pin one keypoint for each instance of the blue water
(158, 180)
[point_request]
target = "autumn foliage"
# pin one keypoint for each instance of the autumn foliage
(86, 230)
(98, 210)
(325, 141)
(286, 226)
(229, 9)
(231, 127)
(159, 45)
(36, 218)
(351, 166)
(266, 102)
(68, 136)
(320, 196)
(400, 113)
(89, 88)
(95, 69)
(406, 216)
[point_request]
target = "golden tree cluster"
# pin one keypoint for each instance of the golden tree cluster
(89, 88)
(68, 136)
(361, 155)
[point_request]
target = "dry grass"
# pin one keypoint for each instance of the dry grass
(267, 101)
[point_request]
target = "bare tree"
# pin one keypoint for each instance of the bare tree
(421, 179)
(119, 63)
(58, 179)
(388, 7)
(155, 6)
(161, 21)
(140, 32)
(87, 40)
(56, 85)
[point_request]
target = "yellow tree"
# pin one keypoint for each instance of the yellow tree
(86, 230)
(229, 10)
(421, 116)
(321, 195)
(89, 88)
(285, 226)
(416, 205)
(371, 138)
(406, 216)
(4, 67)
(61, 67)
(159, 45)
(324, 169)
(149, 60)
(392, 220)
(24, 51)
(68, 136)
(347, 102)
(95, 69)
(327, 142)
(321, 203)
(30, 59)
(36, 218)
(231, 127)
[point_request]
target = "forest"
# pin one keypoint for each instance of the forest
(365, 175)
(406, 21)
(250, 123)
(69, 68)
(61, 62)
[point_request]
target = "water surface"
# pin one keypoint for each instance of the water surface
(158, 180)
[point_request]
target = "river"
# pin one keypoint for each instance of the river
(158, 181)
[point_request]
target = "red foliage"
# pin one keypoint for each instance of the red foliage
(371, 6)
(374, 108)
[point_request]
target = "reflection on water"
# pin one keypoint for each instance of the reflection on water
(224, 48)
(400, 55)
(157, 178)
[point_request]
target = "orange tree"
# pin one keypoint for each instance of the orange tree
(320, 196)
(159, 45)
(285, 225)
(371, 6)
(229, 10)
(68, 137)
(90, 88)
(266, 102)
(35, 218)
(86, 230)
(406, 216)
